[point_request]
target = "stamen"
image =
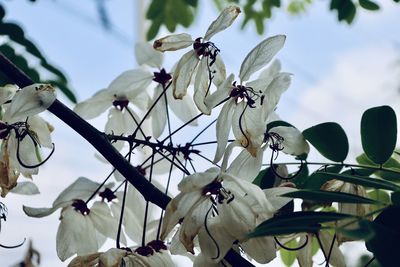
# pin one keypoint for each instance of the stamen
(120, 103)
(144, 251)
(35, 165)
(107, 194)
(209, 234)
(162, 77)
(81, 206)
(157, 245)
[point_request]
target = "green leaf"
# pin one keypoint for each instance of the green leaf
(328, 196)
(265, 179)
(369, 5)
(379, 195)
(379, 133)
(360, 180)
(395, 197)
(287, 256)
(278, 123)
(329, 139)
(2, 12)
(364, 231)
(296, 222)
(391, 164)
(303, 218)
(385, 243)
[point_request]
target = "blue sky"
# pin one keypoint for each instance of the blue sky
(338, 72)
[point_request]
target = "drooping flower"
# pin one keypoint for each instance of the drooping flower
(202, 63)
(212, 204)
(348, 208)
(153, 255)
(183, 108)
(250, 103)
(23, 132)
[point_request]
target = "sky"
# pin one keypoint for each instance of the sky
(338, 72)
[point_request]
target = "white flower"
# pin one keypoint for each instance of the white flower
(205, 53)
(239, 207)
(23, 132)
(250, 103)
(182, 108)
(149, 256)
(125, 89)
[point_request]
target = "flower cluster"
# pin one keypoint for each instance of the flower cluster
(216, 208)
(23, 132)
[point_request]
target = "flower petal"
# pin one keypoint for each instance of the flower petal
(75, 228)
(260, 56)
(223, 127)
(183, 73)
(158, 114)
(173, 42)
(145, 54)
(224, 20)
(201, 87)
(293, 140)
(131, 80)
(261, 249)
(25, 188)
(30, 100)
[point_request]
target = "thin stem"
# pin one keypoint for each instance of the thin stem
(147, 205)
(322, 248)
(137, 123)
(151, 108)
(121, 215)
(211, 142)
(202, 131)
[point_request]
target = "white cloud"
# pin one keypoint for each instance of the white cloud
(360, 79)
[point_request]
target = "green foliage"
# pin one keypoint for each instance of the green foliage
(170, 13)
(329, 139)
(384, 244)
(360, 180)
(328, 196)
(379, 133)
(379, 195)
(265, 178)
(363, 231)
(16, 37)
(369, 5)
(391, 164)
(289, 256)
(296, 222)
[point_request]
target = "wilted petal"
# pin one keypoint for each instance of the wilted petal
(29, 101)
(223, 127)
(145, 54)
(192, 224)
(73, 230)
(177, 209)
(183, 73)
(201, 87)
(224, 20)
(131, 80)
(260, 56)
(248, 127)
(173, 42)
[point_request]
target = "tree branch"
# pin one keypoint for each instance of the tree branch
(100, 142)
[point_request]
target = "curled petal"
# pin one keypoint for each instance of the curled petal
(201, 87)
(183, 73)
(173, 42)
(224, 20)
(224, 124)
